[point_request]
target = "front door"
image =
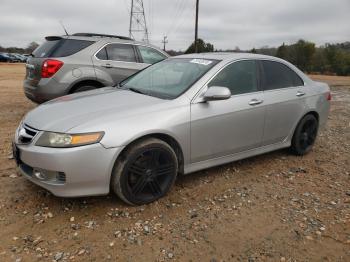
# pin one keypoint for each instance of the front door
(117, 62)
(221, 128)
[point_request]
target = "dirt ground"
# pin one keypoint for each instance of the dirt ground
(274, 207)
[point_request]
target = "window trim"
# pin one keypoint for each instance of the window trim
(109, 60)
(262, 72)
(139, 60)
(197, 97)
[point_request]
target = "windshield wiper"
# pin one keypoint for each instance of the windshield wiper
(136, 90)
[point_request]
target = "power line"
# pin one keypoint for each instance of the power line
(177, 15)
(183, 19)
(174, 14)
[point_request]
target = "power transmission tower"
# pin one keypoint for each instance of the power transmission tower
(164, 42)
(138, 26)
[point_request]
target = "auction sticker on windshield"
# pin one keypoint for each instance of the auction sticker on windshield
(201, 61)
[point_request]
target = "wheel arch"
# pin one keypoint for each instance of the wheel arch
(170, 140)
(78, 84)
(310, 112)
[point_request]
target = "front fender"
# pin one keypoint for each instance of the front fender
(121, 131)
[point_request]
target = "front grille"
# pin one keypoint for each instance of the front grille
(26, 134)
(61, 177)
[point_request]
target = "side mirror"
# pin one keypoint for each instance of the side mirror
(217, 93)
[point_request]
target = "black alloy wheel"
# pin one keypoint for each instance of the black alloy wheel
(305, 135)
(147, 172)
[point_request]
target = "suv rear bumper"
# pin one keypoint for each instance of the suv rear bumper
(44, 89)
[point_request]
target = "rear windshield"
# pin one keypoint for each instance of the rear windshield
(61, 48)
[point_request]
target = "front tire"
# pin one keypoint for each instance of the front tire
(305, 135)
(145, 172)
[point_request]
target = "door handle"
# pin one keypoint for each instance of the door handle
(300, 93)
(107, 66)
(255, 102)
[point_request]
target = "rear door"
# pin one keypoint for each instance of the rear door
(284, 93)
(221, 128)
(116, 62)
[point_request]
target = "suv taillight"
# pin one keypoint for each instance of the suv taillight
(329, 96)
(50, 67)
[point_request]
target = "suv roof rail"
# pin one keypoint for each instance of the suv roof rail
(102, 35)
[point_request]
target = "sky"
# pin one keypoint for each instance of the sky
(225, 23)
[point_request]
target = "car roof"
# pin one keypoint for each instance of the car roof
(103, 38)
(229, 56)
(92, 38)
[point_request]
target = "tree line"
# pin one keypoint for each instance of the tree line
(18, 50)
(333, 59)
(327, 59)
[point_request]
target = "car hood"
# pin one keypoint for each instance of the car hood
(67, 112)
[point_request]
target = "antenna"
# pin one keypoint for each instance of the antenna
(138, 24)
(63, 27)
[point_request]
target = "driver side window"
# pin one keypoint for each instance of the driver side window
(240, 77)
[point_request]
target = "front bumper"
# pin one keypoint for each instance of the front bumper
(83, 171)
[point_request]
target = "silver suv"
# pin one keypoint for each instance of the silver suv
(83, 61)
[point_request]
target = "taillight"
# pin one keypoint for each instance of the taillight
(50, 67)
(329, 96)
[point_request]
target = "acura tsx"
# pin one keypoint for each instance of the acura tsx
(178, 116)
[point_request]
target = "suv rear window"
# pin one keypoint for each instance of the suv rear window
(61, 48)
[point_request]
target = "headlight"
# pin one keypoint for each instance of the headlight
(50, 139)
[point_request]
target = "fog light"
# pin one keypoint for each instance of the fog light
(39, 175)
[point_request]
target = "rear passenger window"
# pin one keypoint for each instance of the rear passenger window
(120, 52)
(150, 56)
(277, 75)
(239, 77)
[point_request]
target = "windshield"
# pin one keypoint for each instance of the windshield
(170, 78)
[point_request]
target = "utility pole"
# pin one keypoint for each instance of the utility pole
(165, 41)
(138, 26)
(196, 29)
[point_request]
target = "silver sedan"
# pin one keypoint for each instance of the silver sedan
(178, 116)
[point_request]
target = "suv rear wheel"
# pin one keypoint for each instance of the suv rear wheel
(85, 87)
(145, 172)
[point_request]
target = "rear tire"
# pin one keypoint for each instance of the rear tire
(304, 135)
(84, 88)
(145, 172)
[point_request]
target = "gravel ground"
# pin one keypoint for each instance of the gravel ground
(274, 207)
